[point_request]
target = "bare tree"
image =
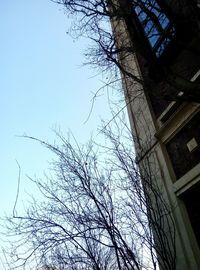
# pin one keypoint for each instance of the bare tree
(95, 213)
(100, 211)
(142, 27)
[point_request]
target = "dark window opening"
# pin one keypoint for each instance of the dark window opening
(155, 23)
(184, 147)
(171, 111)
(192, 202)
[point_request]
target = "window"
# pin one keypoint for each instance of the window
(183, 148)
(192, 203)
(155, 23)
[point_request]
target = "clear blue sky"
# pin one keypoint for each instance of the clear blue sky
(43, 86)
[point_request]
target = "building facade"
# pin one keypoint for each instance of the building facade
(161, 77)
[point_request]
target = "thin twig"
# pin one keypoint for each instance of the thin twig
(18, 185)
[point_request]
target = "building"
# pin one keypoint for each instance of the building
(164, 109)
